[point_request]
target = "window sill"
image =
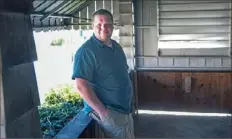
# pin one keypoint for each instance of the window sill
(194, 52)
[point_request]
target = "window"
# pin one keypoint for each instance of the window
(193, 28)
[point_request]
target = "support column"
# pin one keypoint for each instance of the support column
(18, 86)
(126, 39)
(126, 32)
(2, 114)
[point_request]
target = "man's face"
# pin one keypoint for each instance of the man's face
(103, 27)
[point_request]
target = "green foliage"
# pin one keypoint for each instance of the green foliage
(60, 106)
(63, 93)
(57, 42)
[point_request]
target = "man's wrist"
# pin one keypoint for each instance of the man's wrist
(101, 109)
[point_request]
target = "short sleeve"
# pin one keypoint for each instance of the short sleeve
(83, 65)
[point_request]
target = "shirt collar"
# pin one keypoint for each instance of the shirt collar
(100, 42)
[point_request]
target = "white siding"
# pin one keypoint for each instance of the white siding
(198, 21)
(146, 49)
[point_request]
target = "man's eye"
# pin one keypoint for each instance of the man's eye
(108, 25)
(105, 26)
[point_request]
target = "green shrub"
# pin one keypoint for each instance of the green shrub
(60, 106)
(57, 42)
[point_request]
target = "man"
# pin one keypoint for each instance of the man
(101, 76)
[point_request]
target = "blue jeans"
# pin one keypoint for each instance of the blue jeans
(116, 125)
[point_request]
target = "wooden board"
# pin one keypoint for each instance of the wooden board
(209, 90)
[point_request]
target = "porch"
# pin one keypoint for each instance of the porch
(167, 75)
(169, 118)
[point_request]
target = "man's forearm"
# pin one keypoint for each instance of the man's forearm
(90, 97)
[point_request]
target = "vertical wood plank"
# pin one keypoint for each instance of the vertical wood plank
(215, 81)
(230, 96)
(116, 13)
(158, 85)
(140, 85)
(76, 20)
(91, 10)
(207, 91)
(178, 84)
(222, 88)
(184, 96)
(18, 83)
(143, 89)
(99, 4)
(84, 16)
(2, 110)
(200, 90)
(210, 91)
(108, 5)
(228, 92)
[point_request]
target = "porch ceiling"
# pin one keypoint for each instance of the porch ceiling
(56, 14)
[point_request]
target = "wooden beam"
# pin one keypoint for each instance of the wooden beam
(53, 10)
(53, 15)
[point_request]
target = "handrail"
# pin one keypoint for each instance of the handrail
(76, 126)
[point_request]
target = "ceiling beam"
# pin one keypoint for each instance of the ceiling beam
(53, 15)
(74, 5)
(65, 6)
(53, 10)
(39, 5)
(85, 4)
(57, 16)
(56, 26)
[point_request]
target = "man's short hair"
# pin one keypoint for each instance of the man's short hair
(102, 12)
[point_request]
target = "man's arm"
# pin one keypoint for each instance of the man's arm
(90, 97)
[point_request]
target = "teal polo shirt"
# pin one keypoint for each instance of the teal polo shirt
(107, 70)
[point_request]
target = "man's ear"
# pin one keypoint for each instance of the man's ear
(92, 24)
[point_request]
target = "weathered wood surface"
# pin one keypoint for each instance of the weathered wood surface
(211, 90)
(16, 40)
(19, 92)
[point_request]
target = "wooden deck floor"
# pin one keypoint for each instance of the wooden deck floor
(170, 126)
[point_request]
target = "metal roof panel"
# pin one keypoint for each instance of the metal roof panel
(47, 11)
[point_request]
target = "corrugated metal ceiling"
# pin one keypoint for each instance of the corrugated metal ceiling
(56, 13)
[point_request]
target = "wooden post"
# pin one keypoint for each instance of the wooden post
(2, 114)
(19, 92)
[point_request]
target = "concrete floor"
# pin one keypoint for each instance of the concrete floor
(172, 126)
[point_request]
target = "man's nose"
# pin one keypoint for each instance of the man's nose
(103, 27)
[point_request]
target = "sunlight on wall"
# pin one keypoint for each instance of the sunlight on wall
(192, 44)
(54, 64)
(151, 112)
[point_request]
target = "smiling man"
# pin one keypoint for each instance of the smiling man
(100, 72)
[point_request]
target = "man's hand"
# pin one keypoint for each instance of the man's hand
(90, 97)
(103, 113)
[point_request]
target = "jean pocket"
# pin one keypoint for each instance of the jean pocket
(95, 116)
(109, 118)
(105, 119)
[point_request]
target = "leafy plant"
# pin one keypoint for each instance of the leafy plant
(60, 106)
(57, 42)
